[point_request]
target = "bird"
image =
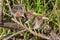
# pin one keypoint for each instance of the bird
(38, 22)
(30, 15)
(17, 11)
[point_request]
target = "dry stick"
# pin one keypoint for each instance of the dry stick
(54, 36)
(9, 7)
(46, 3)
(1, 5)
(44, 6)
(12, 26)
(8, 15)
(34, 33)
(14, 34)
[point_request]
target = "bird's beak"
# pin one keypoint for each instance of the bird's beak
(44, 17)
(36, 14)
(23, 16)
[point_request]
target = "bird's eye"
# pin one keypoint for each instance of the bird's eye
(39, 18)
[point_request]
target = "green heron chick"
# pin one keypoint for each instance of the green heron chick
(17, 11)
(38, 22)
(30, 15)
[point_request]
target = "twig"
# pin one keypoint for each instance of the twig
(8, 15)
(12, 26)
(14, 34)
(44, 5)
(9, 6)
(1, 5)
(54, 36)
(34, 33)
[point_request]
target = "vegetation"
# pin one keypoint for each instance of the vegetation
(47, 9)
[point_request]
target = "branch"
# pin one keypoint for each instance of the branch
(30, 30)
(1, 5)
(12, 26)
(36, 34)
(9, 6)
(13, 35)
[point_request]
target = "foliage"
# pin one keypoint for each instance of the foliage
(39, 7)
